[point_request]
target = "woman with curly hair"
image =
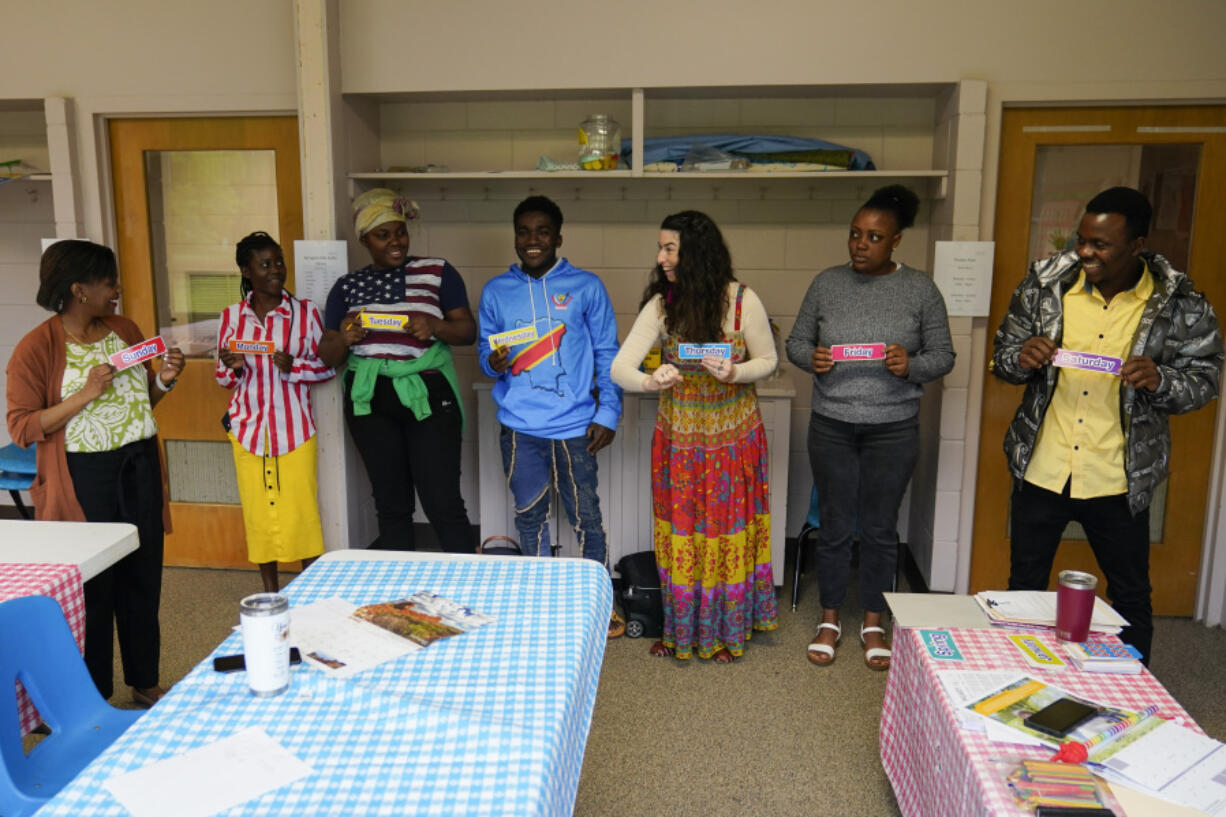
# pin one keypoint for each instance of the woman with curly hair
(709, 467)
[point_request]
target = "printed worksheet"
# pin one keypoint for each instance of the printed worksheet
(1173, 762)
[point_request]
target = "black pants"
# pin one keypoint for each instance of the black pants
(1120, 542)
(861, 471)
(403, 454)
(124, 485)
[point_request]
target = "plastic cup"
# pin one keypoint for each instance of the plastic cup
(1074, 605)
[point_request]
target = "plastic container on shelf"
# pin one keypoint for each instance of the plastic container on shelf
(600, 142)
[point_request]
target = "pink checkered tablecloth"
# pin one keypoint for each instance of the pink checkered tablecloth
(60, 582)
(938, 769)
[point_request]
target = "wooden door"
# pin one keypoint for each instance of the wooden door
(1052, 162)
(186, 190)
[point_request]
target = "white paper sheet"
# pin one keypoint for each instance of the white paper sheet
(209, 779)
(317, 266)
(962, 270)
(331, 639)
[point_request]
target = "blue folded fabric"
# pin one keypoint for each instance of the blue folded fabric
(753, 147)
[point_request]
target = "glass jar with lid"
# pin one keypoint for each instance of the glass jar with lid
(600, 142)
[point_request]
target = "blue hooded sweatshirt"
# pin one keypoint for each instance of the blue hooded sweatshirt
(558, 384)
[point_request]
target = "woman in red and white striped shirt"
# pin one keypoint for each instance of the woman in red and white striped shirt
(268, 352)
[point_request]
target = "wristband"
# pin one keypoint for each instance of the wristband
(164, 386)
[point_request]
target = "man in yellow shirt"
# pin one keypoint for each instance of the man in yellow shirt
(1110, 340)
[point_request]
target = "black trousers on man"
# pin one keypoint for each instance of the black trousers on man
(404, 455)
(1120, 542)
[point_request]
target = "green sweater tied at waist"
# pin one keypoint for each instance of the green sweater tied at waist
(406, 380)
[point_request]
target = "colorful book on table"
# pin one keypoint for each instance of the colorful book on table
(423, 617)
(1107, 657)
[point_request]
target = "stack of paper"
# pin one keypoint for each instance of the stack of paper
(1101, 656)
(1035, 608)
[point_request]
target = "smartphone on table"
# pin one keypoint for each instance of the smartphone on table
(233, 663)
(1061, 717)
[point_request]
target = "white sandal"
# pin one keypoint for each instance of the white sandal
(823, 654)
(875, 652)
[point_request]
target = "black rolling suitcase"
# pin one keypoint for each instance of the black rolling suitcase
(639, 596)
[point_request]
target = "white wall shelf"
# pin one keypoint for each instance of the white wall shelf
(627, 174)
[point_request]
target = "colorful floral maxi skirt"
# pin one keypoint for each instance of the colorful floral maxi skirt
(711, 507)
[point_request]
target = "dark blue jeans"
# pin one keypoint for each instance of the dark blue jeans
(535, 464)
(861, 471)
(1120, 542)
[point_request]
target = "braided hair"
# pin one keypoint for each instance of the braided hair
(246, 249)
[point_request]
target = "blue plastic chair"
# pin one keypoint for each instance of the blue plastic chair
(17, 471)
(37, 648)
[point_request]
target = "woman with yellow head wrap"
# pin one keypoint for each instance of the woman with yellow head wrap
(394, 322)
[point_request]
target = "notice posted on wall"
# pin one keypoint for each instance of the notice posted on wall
(962, 270)
(317, 266)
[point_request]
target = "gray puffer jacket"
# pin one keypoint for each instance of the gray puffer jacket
(1178, 330)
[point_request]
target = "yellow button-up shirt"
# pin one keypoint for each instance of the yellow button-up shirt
(1081, 441)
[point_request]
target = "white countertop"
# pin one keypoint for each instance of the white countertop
(91, 546)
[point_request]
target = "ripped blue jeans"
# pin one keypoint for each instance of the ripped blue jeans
(533, 465)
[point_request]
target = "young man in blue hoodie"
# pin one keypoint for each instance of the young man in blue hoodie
(556, 401)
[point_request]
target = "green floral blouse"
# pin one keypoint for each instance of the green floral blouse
(121, 415)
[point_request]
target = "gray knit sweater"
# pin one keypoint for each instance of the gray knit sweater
(843, 306)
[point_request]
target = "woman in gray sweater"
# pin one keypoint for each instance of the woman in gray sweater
(871, 331)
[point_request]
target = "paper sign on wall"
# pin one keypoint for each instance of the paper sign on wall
(47, 242)
(962, 270)
(317, 266)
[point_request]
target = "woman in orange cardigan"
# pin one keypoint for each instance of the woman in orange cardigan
(98, 456)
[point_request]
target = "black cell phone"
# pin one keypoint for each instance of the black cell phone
(233, 663)
(1059, 718)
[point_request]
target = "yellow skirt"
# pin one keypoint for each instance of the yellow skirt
(280, 503)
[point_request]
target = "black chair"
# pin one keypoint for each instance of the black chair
(812, 523)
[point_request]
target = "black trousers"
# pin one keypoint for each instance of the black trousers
(124, 485)
(403, 454)
(1120, 542)
(861, 471)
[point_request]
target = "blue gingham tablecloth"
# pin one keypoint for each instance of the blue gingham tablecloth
(493, 721)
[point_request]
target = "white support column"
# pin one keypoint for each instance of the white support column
(61, 147)
(319, 134)
(942, 515)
